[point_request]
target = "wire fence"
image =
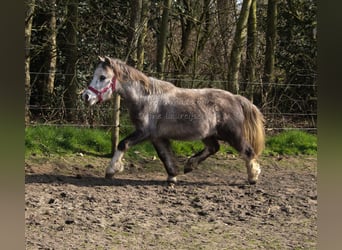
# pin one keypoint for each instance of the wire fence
(101, 116)
(129, 127)
(274, 121)
(188, 77)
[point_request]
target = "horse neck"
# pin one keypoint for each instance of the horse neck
(131, 92)
(135, 93)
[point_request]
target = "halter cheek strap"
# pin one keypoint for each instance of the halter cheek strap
(99, 93)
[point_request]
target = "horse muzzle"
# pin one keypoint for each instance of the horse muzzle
(85, 97)
(89, 97)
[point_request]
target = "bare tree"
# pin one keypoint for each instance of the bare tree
(71, 55)
(143, 34)
(30, 4)
(196, 29)
(271, 33)
(203, 33)
(162, 37)
(49, 87)
(239, 39)
(132, 35)
(224, 19)
(182, 59)
(137, 32)
(251, 49)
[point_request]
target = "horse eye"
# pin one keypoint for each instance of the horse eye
(102, 78)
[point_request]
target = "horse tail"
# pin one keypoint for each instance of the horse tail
(253, 125)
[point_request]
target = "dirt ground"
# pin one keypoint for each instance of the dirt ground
(69, 205)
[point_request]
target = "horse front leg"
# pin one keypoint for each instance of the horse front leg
(116, 164)
(164, 151)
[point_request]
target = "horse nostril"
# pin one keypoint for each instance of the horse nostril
(86, 97)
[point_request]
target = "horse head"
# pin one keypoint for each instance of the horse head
(103, 84)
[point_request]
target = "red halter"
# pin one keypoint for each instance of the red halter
(99, 93)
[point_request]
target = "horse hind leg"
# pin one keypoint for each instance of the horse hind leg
(211, 147)
(253, 167)
(247, 153)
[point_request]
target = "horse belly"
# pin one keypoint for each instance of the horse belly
(185, 130)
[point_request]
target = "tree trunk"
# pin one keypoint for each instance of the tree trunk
(143, 34)
(48, 91)
(203, 34)
(71, 55)
(239, 39)
(271, 33)
(187, 24)
(224, 19)
(196, 22)
(182, 60)
(162, 38)
(28, 29)
(251, 49)
(133, 33)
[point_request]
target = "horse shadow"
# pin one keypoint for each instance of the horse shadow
(92, 181)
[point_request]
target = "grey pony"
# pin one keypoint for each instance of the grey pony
(162, 112)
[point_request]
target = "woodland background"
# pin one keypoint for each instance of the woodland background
(264, 50)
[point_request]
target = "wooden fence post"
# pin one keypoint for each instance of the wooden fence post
(116, 125)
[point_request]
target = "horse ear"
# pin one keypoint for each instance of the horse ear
(108, 60)
(101, 58)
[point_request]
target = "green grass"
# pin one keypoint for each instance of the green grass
(188, 148)
(45, 140)
(293, 142)
(65, 140)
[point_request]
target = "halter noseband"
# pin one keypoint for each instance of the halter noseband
(99, 93)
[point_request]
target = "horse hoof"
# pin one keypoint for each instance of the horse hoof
(252, 182)
(171, 185)
(109, 175)
(187, 170)
(171, 180)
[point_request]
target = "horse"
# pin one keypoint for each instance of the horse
(162, 112)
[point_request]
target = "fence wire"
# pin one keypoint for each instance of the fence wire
(101, 116)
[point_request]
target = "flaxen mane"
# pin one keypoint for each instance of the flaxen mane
(125, 73)
(157, 87)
